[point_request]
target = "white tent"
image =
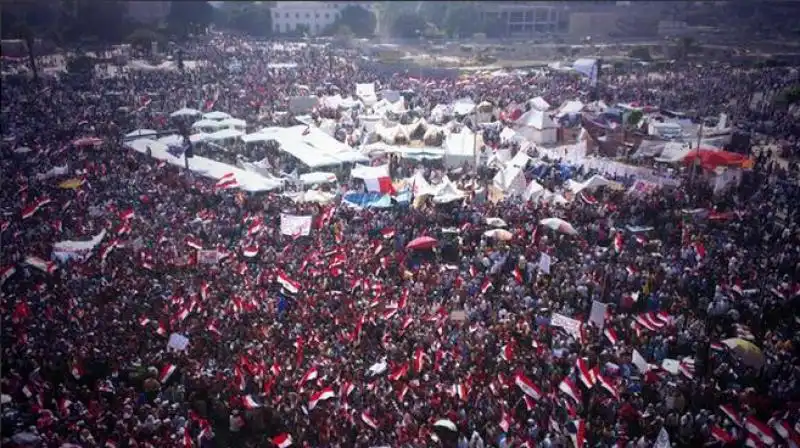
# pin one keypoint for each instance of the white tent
(236, 123)
(141, 133)
(318, 177)
(537, 126)
(216, 115)
(255, 137)
(224, 134)
(510, 181)
(175, 139)
(570, 107)
(419, 186)
(247, 181)
(539, 103)
(461, 148)
(206, 124)
(185, 112)
(590, 184)
(447, 192)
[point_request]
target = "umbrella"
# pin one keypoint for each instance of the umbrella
(87, 141)
(559, 225)
(185, 112)
(748, 352)
(496, 222)
(499, 234)
(423, 242)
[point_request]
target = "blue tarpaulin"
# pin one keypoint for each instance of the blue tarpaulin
(368, 200)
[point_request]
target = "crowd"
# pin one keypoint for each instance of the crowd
(346, 337)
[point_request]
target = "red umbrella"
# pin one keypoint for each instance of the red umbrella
(87, 141)
(423, 242)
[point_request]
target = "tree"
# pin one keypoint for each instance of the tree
(359, 20)
(408, 25)
(250, 18)
(462, 19)
(642, 53)
(143, 38)
(634, 118)
(190, 16)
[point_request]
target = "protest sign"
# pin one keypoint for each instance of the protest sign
(177, 342)
(570, 325)
(598, 314)
(294, 225)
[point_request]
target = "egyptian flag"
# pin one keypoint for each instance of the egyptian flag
(282, 440)
(787, 433)
(721, 435)
(166, 372)
(528, 387)
(570, 389)
(309, 376)
(486, 285)
(419, 360)
(585, 373)
(250, 403)
(577, 432)
(699, 250)
(606, 384)
(611, 335)
(518, 275)
(34, 207)
(369, 420)
(619, 243)
(287, 283)
(322, 395)
(507, 352)
(757, 428)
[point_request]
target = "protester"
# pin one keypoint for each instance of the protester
(347, 338)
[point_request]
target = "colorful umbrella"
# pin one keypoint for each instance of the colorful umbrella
(748, 352)
(423, 242)
(559, 225)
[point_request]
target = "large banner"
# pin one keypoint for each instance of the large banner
(294, 225)
(80, 250)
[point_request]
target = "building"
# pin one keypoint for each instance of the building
(527, 18)
(313, 16)
(147, 12)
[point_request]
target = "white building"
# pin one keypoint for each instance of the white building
(316, 16)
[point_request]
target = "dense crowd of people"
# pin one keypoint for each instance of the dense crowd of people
(348, 338)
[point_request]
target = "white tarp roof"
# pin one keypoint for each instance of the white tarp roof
(510, 180)
(317, 177)
(174, 139)
(315, 149)
(673, 152)
(461, 144)
(539, 103)
(216, 115)
(369, 172)
(186, 111)
(536, 119)
(464, 106)
(233, 122)
(570, 107)
(420, 186)
(447, 192)
(248, 181)
(590, 184)
(225, 134)
(205, 123)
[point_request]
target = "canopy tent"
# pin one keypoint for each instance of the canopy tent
(461, 148)
(317, 177)
(174, 139)
(224, 134)
(141, 133)
(710, 159)
(233, 123)
(216, 115)
(312, 147)
(537, 126)
(247, 181)
(207, 124)
(447, 192)
(255, 137)
(185, 112)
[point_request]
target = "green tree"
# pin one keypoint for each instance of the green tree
(360, 21)
(408, 25)
(642, 53)
(462, 19)
(250, 18)
(634, 118)
(190, 16)
(143, 38)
